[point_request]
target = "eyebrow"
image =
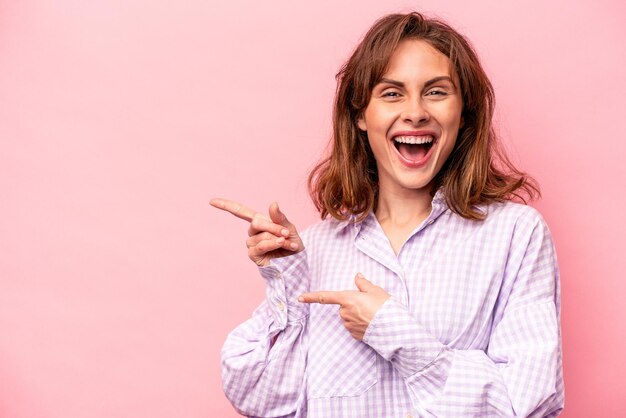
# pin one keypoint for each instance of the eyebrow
(427, 84)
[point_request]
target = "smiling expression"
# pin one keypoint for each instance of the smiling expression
(413, 117)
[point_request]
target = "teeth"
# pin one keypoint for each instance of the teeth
(414, 139)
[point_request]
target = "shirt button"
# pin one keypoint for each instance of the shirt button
(409, 416)
(280, 306)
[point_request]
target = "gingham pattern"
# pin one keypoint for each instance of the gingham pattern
(471, 329)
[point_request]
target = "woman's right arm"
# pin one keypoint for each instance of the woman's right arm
(263, 359)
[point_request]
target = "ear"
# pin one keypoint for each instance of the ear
(360, 122)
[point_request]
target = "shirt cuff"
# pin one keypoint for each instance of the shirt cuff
(400, 339)
(286, 279)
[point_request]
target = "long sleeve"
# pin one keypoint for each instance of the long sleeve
(518, 375)
(263, 360)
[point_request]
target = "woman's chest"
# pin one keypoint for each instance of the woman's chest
(450, 287)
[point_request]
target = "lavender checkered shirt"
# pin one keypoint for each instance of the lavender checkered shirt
(471, 329)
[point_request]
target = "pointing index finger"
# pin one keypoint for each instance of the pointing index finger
(325, 297)
(235, 208)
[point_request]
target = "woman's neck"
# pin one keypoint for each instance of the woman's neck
(400, 212)
(403, 209)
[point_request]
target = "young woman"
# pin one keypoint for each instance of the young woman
(425, 290)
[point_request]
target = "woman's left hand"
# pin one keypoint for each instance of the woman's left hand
(357, 307)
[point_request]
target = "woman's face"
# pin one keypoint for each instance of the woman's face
(413, 117)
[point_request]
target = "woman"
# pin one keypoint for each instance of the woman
(425, 291)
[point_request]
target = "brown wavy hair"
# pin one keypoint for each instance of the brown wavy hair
(477, 171)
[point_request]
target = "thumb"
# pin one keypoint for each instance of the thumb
(363, 284)
(277, 216)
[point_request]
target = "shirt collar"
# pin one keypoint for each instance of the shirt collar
(438, 206)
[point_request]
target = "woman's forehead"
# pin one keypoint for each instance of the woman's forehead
(416, 59)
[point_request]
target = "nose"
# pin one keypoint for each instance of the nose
(414, 112)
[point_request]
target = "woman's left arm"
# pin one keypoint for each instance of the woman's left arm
(520, 373)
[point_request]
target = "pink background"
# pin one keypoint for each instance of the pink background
(119, 120)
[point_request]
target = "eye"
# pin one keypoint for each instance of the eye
(437, 92)
(392, 94)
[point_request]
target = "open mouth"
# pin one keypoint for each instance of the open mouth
(413, 148)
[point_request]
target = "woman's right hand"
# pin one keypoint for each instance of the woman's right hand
(270, 236)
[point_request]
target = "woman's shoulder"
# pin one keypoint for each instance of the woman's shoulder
(514, 212)
(517, 220)
(324, 229)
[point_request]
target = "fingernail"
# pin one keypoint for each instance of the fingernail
(359, 275)
(280, 240)
(300, 299)
(285, 232)
(294, 246)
